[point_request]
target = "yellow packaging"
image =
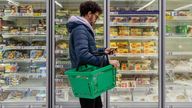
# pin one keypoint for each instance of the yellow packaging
(135, 51)
(135, 44)
(123, 44)
(149, 44)
(113, 44)
(123, 66)
(149, 50)
(122, 50)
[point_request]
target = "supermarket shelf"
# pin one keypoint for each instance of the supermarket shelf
(63, 88)
(63, 62)
(23, 60)
(10, 35)
(33, 84)
(179, 53)
(61, 37)
(177, 85)
(134, 104)
(136, 55)
(134, 38)
(27, 74)
(117, 13)
(99, 37)
(24, 15)
(129, 0)
(149, 104)
(133, 24)
(23, 47)
(61, 76)
(178, 37)
(25, 100)
(67, 103)
(58, 21)
(20, 104)
(30, 1)
(138, 72)
(62, 51)
(179, 71)
(59, 65)
(183, 83)
(179, 18)
(144, 88)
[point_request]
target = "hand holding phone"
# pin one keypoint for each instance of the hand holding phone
(110, 51)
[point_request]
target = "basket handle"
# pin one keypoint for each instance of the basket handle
(102, 54)
(96, 54)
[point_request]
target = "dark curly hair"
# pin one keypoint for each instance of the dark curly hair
(87, 6)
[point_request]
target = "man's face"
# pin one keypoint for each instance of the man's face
(93, 17)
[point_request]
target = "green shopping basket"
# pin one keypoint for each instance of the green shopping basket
(90, 81)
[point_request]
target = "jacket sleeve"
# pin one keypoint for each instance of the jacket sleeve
(82, 48)
(101, 49)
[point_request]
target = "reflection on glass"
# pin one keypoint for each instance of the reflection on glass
(178, 51)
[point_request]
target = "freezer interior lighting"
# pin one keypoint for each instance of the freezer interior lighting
(59, 4)
(146, 5)
(13, 2)
(183, 7)
(180, 46)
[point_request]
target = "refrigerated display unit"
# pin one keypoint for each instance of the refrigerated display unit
(178, 53)
(64, 9)
(133, 30)
(134, 27)
(23, 73)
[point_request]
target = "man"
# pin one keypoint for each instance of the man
(82, 44)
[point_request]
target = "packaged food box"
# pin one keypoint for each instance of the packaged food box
(149, 51)
(114, 31)
(36, 54)
(123, 66)
(151, 19)
(124, 31)
(136, 51)
(136, 31)
(134, 19)
(181, 29)
(119, 19)
(122, 44)
(122, 50)
(135, 45)
(113, 44)
(149, 44)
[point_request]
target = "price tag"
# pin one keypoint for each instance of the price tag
(114, 13)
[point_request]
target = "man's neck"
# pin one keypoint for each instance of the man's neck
(86, 19)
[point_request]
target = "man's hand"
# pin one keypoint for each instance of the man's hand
(110, 51)
(115, 63)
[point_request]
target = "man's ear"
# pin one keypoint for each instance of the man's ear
(89, 13)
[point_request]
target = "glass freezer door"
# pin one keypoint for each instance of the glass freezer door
(178, 41)
(64, 9)
(23, 73)
(133, 30)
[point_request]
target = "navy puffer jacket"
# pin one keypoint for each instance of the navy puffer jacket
(82, 43)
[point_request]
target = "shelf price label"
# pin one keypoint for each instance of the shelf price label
(114, 13)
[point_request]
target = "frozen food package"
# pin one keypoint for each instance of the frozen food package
(36, 54)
